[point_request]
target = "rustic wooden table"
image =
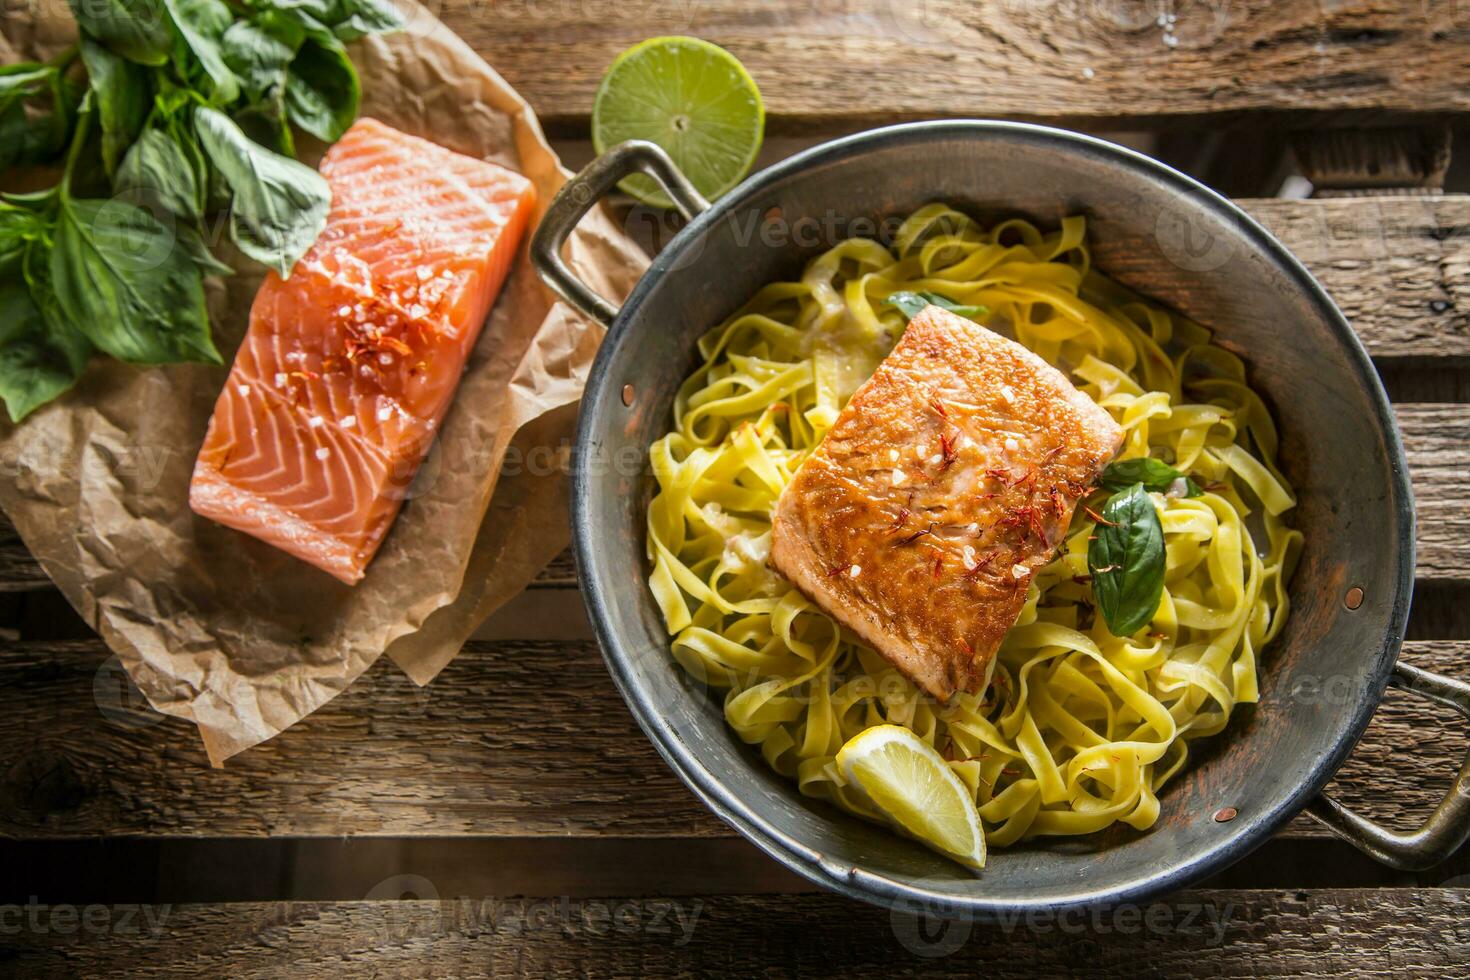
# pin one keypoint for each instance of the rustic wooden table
(453, 831)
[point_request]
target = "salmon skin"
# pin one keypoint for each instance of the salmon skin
(349, 366)
(946, 481)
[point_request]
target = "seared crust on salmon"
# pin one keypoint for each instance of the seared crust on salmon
(946, 482)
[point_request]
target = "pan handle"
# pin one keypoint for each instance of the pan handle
(1447, 827)
(576, 198)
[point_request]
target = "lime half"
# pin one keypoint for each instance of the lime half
(690, 97)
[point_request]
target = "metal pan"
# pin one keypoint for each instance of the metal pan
(1167, 236)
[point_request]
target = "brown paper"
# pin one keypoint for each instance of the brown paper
(224, 630)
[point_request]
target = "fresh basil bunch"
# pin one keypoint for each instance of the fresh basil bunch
(165, 113)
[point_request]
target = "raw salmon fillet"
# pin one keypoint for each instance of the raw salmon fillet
(349, 365)
(948, 479)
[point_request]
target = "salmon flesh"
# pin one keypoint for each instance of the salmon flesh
(946, 482)
(349, 366)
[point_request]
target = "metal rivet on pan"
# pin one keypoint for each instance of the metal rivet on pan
(773, 213)
(1354, 598)
(628, 395)
(1225, 814)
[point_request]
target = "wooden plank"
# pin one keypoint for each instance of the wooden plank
(1227, 933)
(515, 739)
(1082, 62)
(1436, 437)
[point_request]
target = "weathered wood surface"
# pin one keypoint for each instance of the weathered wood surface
(515, 739)
(1207, 933)
(1436, 437)
(1085, 62)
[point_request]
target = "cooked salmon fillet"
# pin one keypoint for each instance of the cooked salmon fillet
(349, 366)
(948, 479)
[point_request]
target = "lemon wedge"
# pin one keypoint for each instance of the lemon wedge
(911, 784)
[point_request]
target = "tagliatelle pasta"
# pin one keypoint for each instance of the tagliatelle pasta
(1079, 728)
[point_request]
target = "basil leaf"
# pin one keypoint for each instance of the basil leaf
(157, 171)
(910, 304)
(121, 89)
(128, 284)
(323, 92)
(352, 19)
(24, 78)
(199, 253)
(1126, 559)
(279, 206)
(1154, 474)
(37, 363)
(202, 24)
(32, 136)
(259, 51)
(135, 29)
(18, 227)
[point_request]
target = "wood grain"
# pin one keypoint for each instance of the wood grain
(514, 739)
(1099, 63)
(1436, 438)
(1215, 933)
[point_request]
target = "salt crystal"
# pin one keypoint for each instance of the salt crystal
(1088, 73)
(385, 359)
(1011, 444)
(244, 390)
(280, 379)
(893, 455)
(1007, 393)
(385, 413)
(936, 459)
(973, 528)
(316, 421)
(1019, 572)
(344, 311)
(899, 476)
(349, 422)
(424, 274)
(323, 453)
(854, 571)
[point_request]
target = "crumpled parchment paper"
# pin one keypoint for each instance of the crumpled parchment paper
(223, 630)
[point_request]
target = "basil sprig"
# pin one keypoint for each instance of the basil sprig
(1154, 474)
(1126, 559)
(911, 303)
(165, 113)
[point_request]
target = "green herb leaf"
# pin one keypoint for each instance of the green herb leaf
(279, 206)
(194, 246)
(910, 304)
(122, 94)
(18, 227)
(323, 93)
(202, 24)
(136, 29)
(37, 363)
(259, 51)
(158, 171)
(1154, 474)
(31, 136)
(1127, 561)
(129, 284)
(352, 19)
